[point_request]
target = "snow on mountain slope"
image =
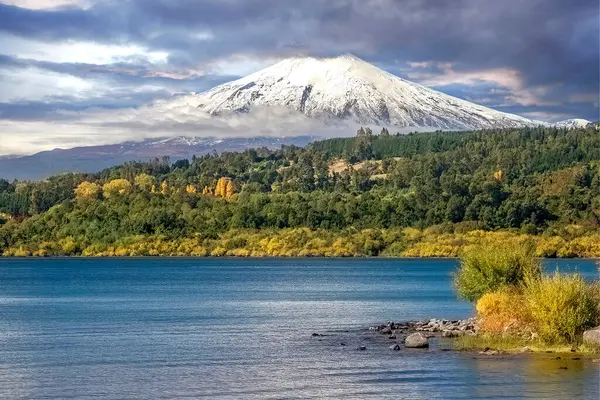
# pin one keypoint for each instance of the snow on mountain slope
(572, 123)
(348, 89)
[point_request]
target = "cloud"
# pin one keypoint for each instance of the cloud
(101, 126)
(539, 56)
(46, 4)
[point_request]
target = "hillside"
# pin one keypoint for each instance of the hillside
(543, 183)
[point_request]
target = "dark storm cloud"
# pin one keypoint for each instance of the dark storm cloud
(553, 43)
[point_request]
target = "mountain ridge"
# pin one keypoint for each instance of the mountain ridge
(95, 158)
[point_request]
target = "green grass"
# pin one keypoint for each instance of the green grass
(510, 344)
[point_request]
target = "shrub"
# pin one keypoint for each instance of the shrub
(562, 306)
(487, 267)
(503, 311)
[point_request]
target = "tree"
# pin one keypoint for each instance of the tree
(364, 144)
(164, 188)
(229, 190)
(144, 182)
(87, 190)
(116, 187)
(224, 186)
(190, 189)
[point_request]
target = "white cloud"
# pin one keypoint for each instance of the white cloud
(517, 92)
(46, 4)
(36, 85)
(77, 52)
(164, 118)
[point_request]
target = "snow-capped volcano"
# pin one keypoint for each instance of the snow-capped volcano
(349, 89)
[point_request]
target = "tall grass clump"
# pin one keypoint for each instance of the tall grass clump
(488, 267)
(562, 306)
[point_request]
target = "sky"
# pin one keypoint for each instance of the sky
(73, 72)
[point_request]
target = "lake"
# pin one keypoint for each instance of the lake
(164, 328)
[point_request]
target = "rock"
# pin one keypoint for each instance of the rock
(317, 335)
(362, 348)
(342, 344)
(395, 347)
(592, 336)
(392, 337)
(386, 331)
(449, 334)
(489, 352)
(416, 340)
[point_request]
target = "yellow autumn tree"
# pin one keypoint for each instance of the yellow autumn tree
(164, 188)
(144, 181)
(207, 191)
(87, 190)
(224, 188)
(229, 190)
(116, 187)
(221, 187)
(190, 189)
(498, 175)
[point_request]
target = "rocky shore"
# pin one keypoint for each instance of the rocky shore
(433, 334)
(416, 334)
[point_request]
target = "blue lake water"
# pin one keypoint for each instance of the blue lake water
(241, 328)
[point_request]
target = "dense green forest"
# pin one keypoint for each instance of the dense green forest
(364, 195)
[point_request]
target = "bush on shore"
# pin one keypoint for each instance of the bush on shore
(489, 267)
(515, 301)
(562, 307)
(504, 311)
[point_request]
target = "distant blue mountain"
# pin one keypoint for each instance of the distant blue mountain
(96, 158)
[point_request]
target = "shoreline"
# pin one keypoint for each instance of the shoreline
(441, 336)
(237, 257)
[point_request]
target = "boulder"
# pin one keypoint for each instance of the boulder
(450, 334)
(592, 336)
(416, 340)
(395, 347)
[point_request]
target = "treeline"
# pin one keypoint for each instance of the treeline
(530, 181)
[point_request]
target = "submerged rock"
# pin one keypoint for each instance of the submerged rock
(386, 331)
(395, 347)
(416, 340)
(592, 336)
(489, 352)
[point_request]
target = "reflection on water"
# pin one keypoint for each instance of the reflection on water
(174, 328)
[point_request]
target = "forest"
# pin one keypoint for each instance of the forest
(373, 194)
